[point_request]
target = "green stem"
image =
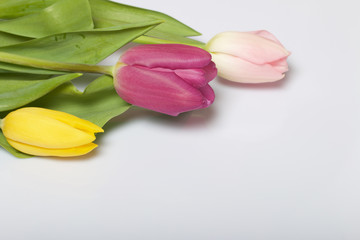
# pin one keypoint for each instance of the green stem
(52, 65)
(175, 40)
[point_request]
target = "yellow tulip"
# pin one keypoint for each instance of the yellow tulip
(44, 132)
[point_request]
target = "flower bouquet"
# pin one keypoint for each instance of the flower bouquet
(45, 45)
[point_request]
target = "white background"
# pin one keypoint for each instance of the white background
(274, 161)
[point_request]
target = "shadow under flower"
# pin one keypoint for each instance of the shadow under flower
(87, 157)
(196, 118)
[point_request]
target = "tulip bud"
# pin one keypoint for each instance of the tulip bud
(44, 132)
(167, 78)
(248, 57)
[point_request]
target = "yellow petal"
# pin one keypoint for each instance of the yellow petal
(37, 129)
(67, 152)
(69, 119)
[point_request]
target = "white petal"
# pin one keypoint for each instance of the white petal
(248, 46)
(238, 70)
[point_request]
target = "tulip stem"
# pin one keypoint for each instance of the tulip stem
(53, 65)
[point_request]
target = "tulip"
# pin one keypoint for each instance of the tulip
(167, 78)
(248, 57)
(44, 132)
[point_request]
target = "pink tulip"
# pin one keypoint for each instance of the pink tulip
(167, 78)
(248, 57)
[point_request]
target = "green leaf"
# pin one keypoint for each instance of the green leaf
(107, 13)
(168, 38)
(18, 90)
(10, 149)
(7, 39)
(17, 8)
(98, 103)
(62, 16)
(89, 47)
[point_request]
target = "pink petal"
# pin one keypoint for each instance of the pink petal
(173, 56)
(239, 70)
(210, 71)
(208, 93)
(195, 77)
(248, 46)
(267, 35)
(160, 91)
(198, 77)
(280, 65)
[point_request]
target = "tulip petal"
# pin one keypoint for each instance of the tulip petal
(208, 93)
(280, 65)
(195, 77)
(210, 71)
(39, 151)
(160, 91)
(247, 46)
(66, 118)
(39, 130)
(172, 56)
(239, 70)
(267, 35)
